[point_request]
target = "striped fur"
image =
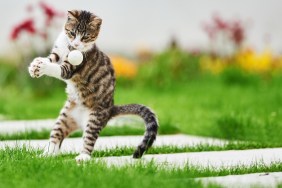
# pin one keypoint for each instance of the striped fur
(150, 121)
(90, 87)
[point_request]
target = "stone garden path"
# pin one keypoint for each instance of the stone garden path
(74, 144)
(214, 159)
(24, 125)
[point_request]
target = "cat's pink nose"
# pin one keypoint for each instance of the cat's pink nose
(76, 43)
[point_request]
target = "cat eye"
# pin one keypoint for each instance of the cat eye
(72, 33)
(85, 37)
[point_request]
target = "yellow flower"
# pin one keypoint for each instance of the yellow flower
(214, 65)
(124, 67)
(254, 62)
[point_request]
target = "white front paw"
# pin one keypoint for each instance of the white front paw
(51, 150)
(38, 67)
(82, 158)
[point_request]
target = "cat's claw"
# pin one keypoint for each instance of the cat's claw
(37, 67)
(82, 158)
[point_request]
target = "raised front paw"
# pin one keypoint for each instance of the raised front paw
(37, 67)
(83, 157)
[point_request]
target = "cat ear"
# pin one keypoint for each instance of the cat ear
(73, 14)
(96, 21)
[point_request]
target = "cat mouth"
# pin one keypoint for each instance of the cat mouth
(83, 47)
(78, 47)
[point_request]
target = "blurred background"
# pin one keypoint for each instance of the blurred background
(131, 25)
(210, 68)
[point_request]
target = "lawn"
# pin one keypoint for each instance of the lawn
(23, 168)
(233, 105)
(207, 106)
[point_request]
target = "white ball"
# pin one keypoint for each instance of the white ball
(75, 57)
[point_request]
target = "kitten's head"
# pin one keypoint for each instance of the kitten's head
(82, 29)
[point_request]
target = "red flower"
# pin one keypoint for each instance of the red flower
(29, 8)
(27, 25)
(234, 29)
(210, 30)
(237, 32)
(44, 35)
(219, 23)
(49, 12)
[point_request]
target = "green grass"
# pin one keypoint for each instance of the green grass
(22, 104)
(210, 107)
(232, 106)
(205, 107)
(108, 131)
(123, 151)
(26, 169)
(45, 134)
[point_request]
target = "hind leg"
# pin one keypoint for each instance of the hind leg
(64, 125)
(97, 120)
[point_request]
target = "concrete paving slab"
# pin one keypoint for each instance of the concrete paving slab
(216, 159)
(75, 144)
(246, 181)
(25, 125)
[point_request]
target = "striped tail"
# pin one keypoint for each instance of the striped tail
(150, 120)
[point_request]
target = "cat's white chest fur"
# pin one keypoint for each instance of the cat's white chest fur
(79, 113)
(72, 92)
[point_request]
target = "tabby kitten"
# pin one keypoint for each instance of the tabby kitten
(90, 87)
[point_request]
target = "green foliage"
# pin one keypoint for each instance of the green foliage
(24, 104)
(168, 127)
(240, 127)
(17, 75)
(7, 73)
(168, 68)
(236, 76)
